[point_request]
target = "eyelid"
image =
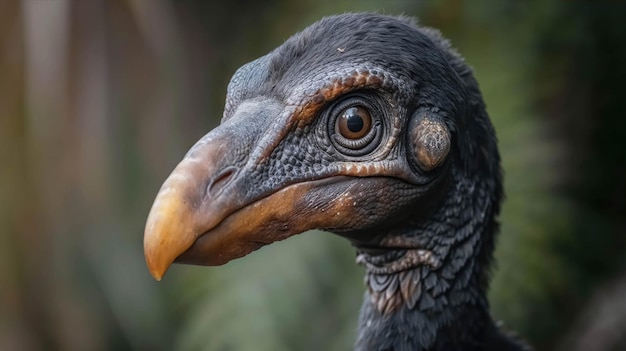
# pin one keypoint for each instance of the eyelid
(371, 140)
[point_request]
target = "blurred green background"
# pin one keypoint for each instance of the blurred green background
(99, 99)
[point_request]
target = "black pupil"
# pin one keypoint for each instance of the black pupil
(354, 121)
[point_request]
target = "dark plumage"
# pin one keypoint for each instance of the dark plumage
(372, 128)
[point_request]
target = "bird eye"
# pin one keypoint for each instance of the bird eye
(355, 125)
(354, 122)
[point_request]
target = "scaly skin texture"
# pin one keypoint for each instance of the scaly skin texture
(417, 193)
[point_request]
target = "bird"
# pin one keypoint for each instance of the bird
(371, 127)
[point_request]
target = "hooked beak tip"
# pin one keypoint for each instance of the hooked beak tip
(156, 268)
(154, 258)
(167, 232)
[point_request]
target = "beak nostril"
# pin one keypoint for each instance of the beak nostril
(220, 181)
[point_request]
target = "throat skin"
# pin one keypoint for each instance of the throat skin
(439, 301)
(444, 311)
(465, 328)
(440, 314)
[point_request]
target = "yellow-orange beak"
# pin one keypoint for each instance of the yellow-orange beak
(177, 217)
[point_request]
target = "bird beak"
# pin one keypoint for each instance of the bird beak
(180, 213)
(208, 213)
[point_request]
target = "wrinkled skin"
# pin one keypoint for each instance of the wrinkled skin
(374, 129)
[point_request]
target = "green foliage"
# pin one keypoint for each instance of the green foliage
(290, 295)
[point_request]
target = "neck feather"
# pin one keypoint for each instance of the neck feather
(430, 293)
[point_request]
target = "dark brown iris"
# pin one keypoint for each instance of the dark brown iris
(354, 122)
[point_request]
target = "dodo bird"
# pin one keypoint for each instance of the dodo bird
(370, 127)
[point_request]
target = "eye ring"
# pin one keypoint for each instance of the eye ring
(355, 127)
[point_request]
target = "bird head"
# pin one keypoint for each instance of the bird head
(358, 125)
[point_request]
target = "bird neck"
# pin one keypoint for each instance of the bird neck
(424, 308)
(429, 292)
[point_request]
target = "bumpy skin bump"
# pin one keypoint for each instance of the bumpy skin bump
(418, 198)
(430, 140)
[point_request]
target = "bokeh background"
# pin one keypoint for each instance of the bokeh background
(99, 99)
